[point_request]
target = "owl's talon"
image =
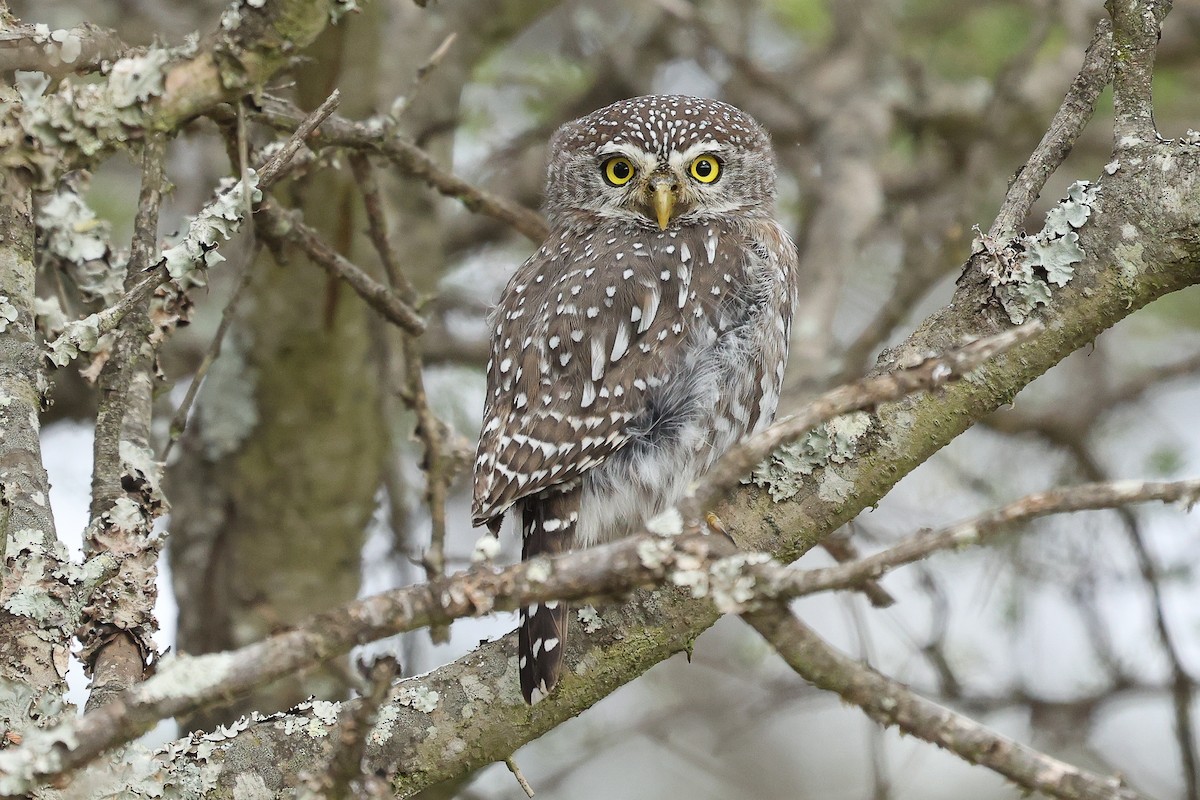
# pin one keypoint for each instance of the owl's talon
(717, 526)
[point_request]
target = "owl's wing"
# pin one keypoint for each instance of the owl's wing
(582, 337)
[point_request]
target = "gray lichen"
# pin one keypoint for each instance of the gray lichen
(589, 619)
(385, 721)
(69, 230)
(8, 313)
(1022, 270)
(84, 117)
(835, 442)
(217, 221)
(419, 698)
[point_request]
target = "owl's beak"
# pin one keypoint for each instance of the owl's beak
(664, 204)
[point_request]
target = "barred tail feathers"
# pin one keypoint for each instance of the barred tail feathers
(548, 528)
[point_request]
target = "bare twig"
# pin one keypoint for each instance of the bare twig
(179, 421)
(985, 526)
(438, 464)
(1068, 122)
(275, 167)
(889, 703)
(511, 763)
(281, 224)
(411, 160)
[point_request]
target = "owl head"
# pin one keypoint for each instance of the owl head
(660, 161)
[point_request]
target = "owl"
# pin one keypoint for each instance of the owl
(646, 335)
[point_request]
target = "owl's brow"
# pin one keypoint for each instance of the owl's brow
(621, 148)
(639, 155)
(707, 147)
(645, 162)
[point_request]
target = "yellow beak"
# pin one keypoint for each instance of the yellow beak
(664, 204)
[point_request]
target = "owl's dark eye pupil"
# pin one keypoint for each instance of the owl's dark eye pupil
(620, 170)
(704, 169)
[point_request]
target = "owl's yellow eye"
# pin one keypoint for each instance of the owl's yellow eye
(705, 169)
(618, 171)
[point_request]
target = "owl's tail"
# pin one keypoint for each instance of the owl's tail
(548, 527)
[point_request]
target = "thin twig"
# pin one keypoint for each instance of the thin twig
(282, 224)
(423, 72)
(275, 167)
(889, 703)
(1066, 126)
(981, 528)
(438, 466)
(410, 160)
(511, 763)
(179, 421)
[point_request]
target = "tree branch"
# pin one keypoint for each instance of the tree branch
(118, 620)
(375, 136)
(889, 703)
(74, 126)
(281, 224)
(1068, 123)
(1136, 26)
(710, 568)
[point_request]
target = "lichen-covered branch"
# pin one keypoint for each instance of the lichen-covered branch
(709, 568)
(867, 393)
(118, 620)
(37, 602)
(48, 134)
(58, 52)
(186, 260)
(889, 703)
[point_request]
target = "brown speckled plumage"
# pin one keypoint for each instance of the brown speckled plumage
(627, 356)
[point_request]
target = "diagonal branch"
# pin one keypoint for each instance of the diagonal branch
(710, 567)
(1068, 123)
(889, 703)
(281, 224)
(867, 393)
(375, 137)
